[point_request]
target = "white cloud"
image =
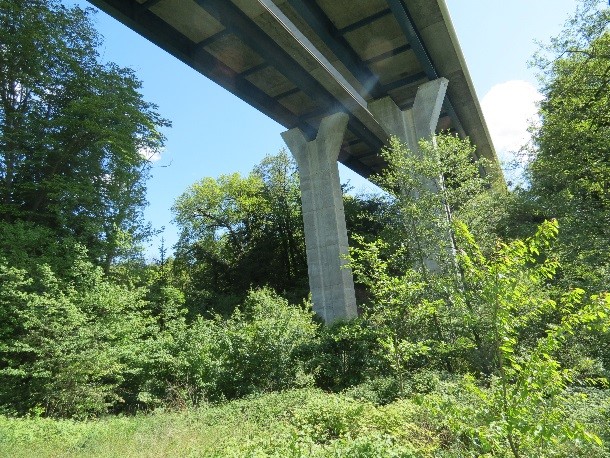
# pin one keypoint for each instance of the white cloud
(509, 109)
(149, 154)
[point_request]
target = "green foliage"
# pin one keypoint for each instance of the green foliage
(524, 410)
(67, 346)
(378, 391)
(343, 356)
(417, 308)
(26, 245)
(301, 423)
(440, 300)
(257, 349)
(401, 313)
(290, 424)
(72, 131)
(429, 188)
(569, 170)
(241, 232)
(466, 345)
(330, 419)
(369, 216)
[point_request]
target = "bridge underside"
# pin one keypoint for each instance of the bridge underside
(339, 75)
(300, 60)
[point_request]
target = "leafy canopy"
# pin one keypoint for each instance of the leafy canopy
(74, 131)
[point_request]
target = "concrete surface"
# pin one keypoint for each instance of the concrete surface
(331, 283)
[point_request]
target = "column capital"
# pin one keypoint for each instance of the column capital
(330, 133)
(417, 123)
(390, 117)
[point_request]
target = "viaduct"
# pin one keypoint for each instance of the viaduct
(342, 76)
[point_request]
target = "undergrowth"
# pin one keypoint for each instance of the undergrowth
(297, 423)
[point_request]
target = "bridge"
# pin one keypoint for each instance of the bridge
(342, 76)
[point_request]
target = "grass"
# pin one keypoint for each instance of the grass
(295, 423)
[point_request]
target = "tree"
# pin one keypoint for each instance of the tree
(240, 232)
(428, 189)
(73, 131)
(524, 406)
(285, 241)
(417, 302)
(569, 172)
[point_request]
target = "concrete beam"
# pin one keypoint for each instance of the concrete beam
(331, 283)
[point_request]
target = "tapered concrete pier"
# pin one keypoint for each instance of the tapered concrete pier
(417, 123)
(330, 281)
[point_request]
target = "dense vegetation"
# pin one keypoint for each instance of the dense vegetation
(485, 317)
(306, 422)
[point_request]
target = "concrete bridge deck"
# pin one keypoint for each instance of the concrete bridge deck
(300, 60)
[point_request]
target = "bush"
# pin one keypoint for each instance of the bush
(523, 407)
(379, 390)
(344, 356)
(67, 346)
(258, 349)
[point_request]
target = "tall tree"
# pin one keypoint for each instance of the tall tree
(74, 132)
(284, 231)
(243, 231)
(570, 169)
(238, 232)
(419, 299)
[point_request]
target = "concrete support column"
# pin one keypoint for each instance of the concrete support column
(331, 284)
(411, 126)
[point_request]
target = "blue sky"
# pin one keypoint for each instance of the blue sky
(216, 133)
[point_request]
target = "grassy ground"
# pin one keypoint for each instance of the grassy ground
(296, 423)
(291, 424)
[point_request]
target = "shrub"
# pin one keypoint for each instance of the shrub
(256, 350)
(523, 407)
(378, 390)
(66, 345)
(344, 355)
